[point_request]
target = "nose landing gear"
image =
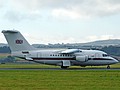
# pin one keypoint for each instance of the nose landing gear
(108, 67)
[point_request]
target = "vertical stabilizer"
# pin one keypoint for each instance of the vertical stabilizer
(16, 41)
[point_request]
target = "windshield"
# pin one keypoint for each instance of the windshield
(105, 55)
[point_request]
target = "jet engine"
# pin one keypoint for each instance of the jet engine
(82, 58)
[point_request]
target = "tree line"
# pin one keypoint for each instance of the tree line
(112, 50)
(5, 49)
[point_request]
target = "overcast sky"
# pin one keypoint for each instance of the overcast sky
(61, 21)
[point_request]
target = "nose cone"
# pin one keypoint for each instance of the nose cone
(115, 61)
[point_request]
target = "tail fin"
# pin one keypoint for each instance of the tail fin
(16, 41)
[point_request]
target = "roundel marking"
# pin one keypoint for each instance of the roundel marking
(19, 41)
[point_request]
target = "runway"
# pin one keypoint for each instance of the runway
(58, 69)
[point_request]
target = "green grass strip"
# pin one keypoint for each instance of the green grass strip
(59, 80)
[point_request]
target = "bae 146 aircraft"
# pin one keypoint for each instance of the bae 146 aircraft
(64, 57)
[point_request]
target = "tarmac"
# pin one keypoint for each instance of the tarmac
(59, 69)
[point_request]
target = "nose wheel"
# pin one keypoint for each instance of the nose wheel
(108, 67)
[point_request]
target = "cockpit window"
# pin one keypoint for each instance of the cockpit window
(105, 55)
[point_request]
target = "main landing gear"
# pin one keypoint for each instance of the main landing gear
(64, 67)
(108, 67)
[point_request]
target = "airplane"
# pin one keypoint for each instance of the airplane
(65, 58)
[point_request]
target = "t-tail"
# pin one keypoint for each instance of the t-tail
(16, 41)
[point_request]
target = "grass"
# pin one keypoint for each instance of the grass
(59, 80)
(3, 55)
(27, 66)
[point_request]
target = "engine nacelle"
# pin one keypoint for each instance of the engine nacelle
(82, 58)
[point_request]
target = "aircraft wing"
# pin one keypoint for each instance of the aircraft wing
(70, 51)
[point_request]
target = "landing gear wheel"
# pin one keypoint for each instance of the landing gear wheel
(64, 67)
(108, 67)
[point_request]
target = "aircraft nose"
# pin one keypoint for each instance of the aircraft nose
(115, 60)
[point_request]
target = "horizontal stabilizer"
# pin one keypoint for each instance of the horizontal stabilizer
(28, 58)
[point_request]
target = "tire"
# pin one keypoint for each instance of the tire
(108, 67)
(64, 67)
